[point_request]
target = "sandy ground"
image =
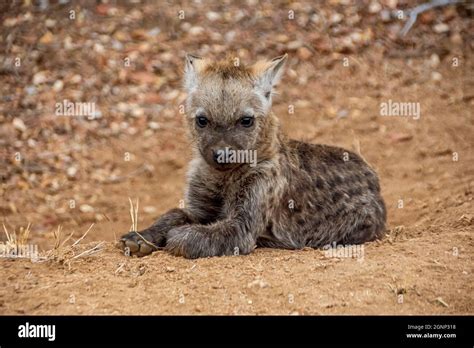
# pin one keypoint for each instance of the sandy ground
(423, 266)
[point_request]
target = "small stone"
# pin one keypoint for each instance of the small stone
(281, 38)
(31, 90)
(76, 79)
(10, 22)
(50, 23)
(39, 78)
(304, 53)
(374, 7)
(170, 269)
(441, 28)
(336, 18)
(99, 48)
(196, 30)
(137, 111)
(149, 209)
(19, 124)
(456, 39)
(385, 15)
(167, 57)
(47, 38)
(71, 172)
(260, 283)
(154, 32)
(86, 208)
(434, 60)
(342, 113)
(153, 125)
(213, 16)
(294, 45)
(58, 85)
(436, 76)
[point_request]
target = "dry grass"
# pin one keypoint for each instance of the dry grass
(133, 215)
(65, 254)
(134, 218)
(16, 243)
(13, 239)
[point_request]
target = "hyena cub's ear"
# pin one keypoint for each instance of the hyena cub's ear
(268, 74)
(193, 66)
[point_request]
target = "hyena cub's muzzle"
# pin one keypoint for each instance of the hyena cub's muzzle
(221, 159)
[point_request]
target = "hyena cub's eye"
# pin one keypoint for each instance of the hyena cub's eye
(247, 121)
(202, 121)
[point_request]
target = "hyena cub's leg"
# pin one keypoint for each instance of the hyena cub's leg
(153, 237)
(245, 218)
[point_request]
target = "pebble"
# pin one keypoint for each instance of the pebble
(86, 208)
(304, 53)
(374, 7)
(213, 16)
(19, 124)
(39, 78)
(58, 85)
(149, 209)
(71, 172)
(196, 30)
(436, 76)
(434, 60)
(153, 125)
(441, 28)
(50, 23)
(293, 45)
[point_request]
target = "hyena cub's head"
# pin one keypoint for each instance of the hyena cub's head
(228, 109)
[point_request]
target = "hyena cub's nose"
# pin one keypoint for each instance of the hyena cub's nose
(218, 156)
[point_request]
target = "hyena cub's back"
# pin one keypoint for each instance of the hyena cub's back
(331, 196)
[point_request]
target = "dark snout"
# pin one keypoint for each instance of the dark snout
(221, 159)
(216, 156)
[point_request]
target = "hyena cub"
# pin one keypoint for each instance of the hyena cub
(291, 195)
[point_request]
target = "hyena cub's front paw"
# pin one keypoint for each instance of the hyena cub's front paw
(138, 243)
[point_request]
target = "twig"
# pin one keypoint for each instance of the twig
(133, 215)
(6, 232)
(89, 251)
(134, 227)
(83, 236)
(146, 241)
(67, 238)
(413, 13)
(120, 267)
(440, 300)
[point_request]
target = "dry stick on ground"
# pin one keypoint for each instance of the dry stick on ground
(89, 252)
(83, 236)
(65, 240)
(413, 14)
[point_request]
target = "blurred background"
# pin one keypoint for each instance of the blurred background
(126, 58)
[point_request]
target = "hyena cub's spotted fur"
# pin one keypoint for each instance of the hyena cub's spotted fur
(295, 195)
